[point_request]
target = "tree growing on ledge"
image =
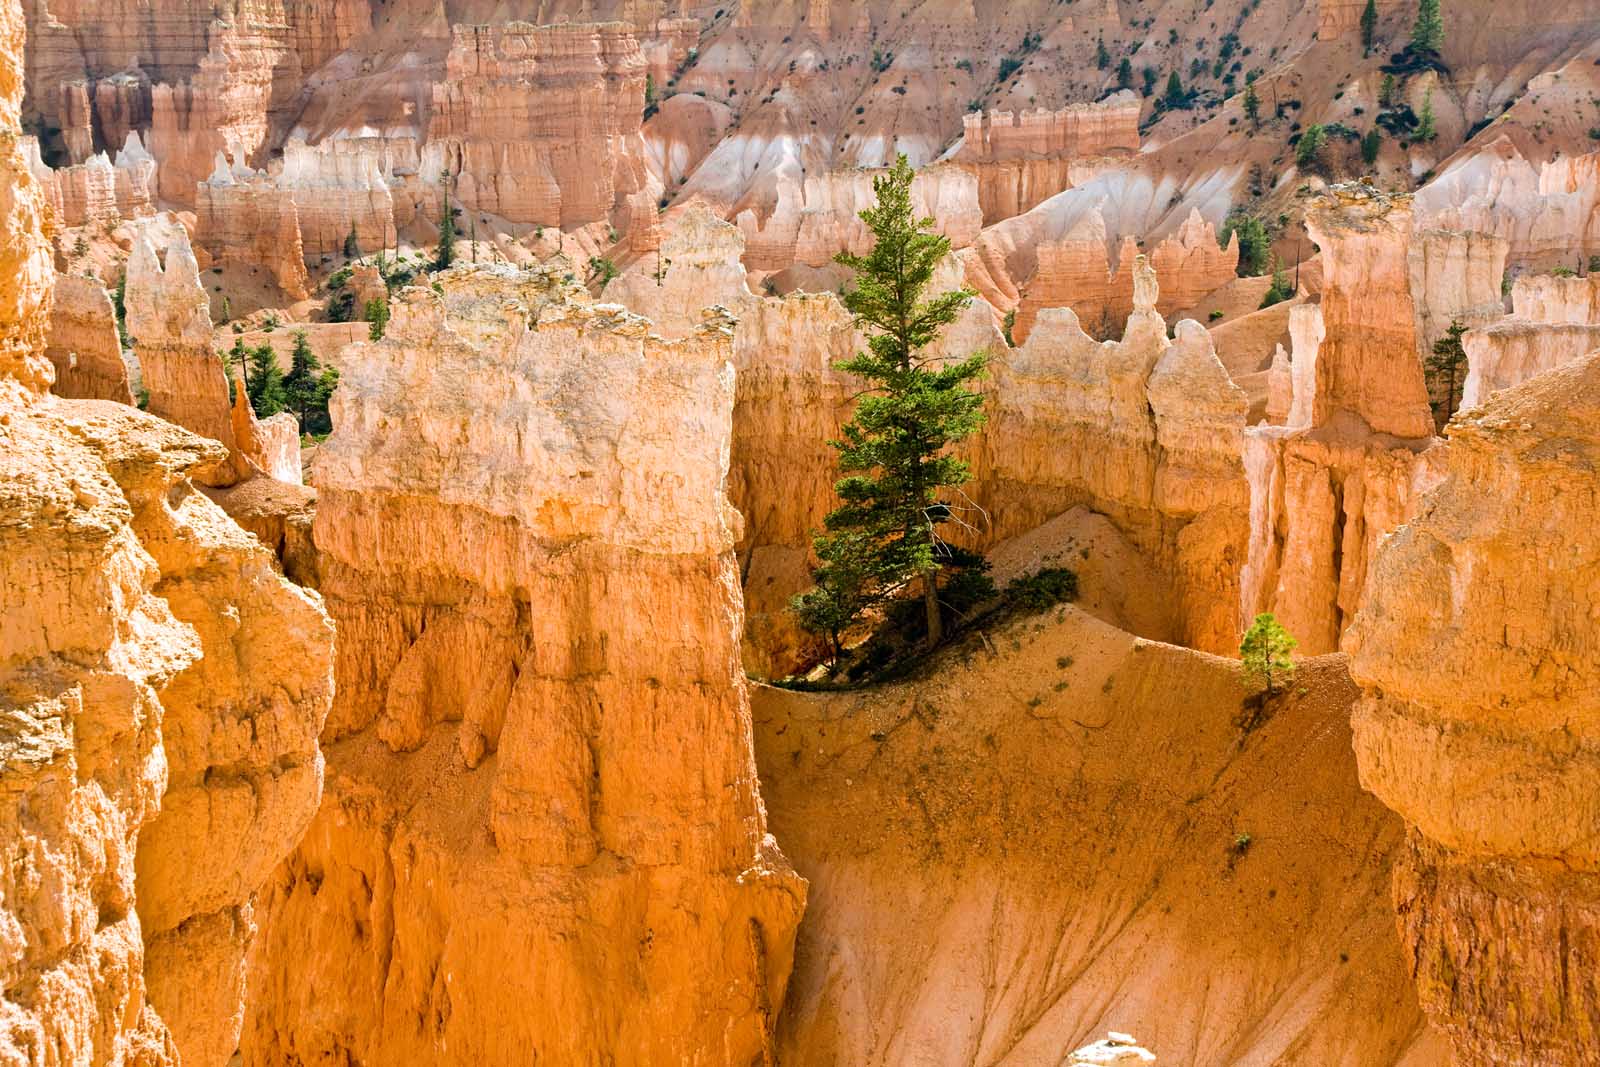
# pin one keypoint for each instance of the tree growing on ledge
(1427, 33)
(884, 537)
(1264, 653)
(1447, 368)
(445, 254)
(352, 244)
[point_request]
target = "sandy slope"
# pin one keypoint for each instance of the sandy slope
(1038, 844)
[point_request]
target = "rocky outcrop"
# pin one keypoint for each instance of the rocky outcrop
(1329, 483)
(1549, 212)
(541, 124)
(696, 266)
(1369, 365)
(251, 225)
(1455, 277)
(1076, 273)
(169, 320)
(83, 345)
(1223, 923)
(98, 190)
(1146, 431)
(1498, 891)
(1023, 158)
(1553, 321)
(164, 694)
(541, 786)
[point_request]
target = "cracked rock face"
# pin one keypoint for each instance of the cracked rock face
(1493, 586)
(162, 688)
(541, 785)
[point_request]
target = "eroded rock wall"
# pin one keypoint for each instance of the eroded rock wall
(83, 345)
(541, 785)
(1493, 586)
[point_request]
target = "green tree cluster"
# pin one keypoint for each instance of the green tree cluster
(307, 387)
(883, 538)
(1255, 244)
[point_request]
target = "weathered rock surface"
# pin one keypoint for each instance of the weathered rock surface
(1553, 321)
(1492, 585)
(1060, 832)
(541, 785)
(83, 345)
(169, 320)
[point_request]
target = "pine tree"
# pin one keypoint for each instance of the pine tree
(445, 254)
(1264, 653)
(1370, 144)
(1448, 365)
(1281, 289)
(238, 357)
(352, 244)
(1102, 58)
(1425, 125)
(1252, 102)
(308, 385)
(1125, 74)
(119, 304)
(376, 313)
(893, 452)
(1174, 95)
(1369, 25)
(1386, 91)
(265, 388)
(1427, 33)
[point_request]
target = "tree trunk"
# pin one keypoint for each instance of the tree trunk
(930, 601)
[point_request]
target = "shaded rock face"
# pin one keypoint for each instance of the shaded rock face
(164, 688)
(541, 785)
(1492, 585)
(1065, 833)
(83, 344)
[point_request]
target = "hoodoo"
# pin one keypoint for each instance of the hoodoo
(729, 533)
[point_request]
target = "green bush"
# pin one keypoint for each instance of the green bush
(1043, 589)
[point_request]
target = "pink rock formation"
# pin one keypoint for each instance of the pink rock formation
(83, 345)
(1144, 430)
(222, 108)
(1553, 320)
(541, 124)
(1455, 277)
(1075, 273)
(1022, 159)
(169, 320)
(1498, 893)
(1369, 366)
(98, 191)
(251, 225)
(540, 767)
(1548, 212)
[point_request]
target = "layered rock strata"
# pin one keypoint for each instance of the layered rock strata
(541, 124)
(1553, 321)
(541, 785)
(1492, 585)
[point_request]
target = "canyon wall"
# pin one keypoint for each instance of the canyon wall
(541, 787)
(1553, 321)
(164, 688)
(540, 124)
(1492, 585)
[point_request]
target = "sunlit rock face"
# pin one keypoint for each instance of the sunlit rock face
(541, 780)
(1553, 321)
(1492, 585)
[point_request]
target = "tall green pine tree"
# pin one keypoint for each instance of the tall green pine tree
(1427, 33)
(445, 254)
(265, 387)
(308, 386)
(1369, 25)
(883, 537)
